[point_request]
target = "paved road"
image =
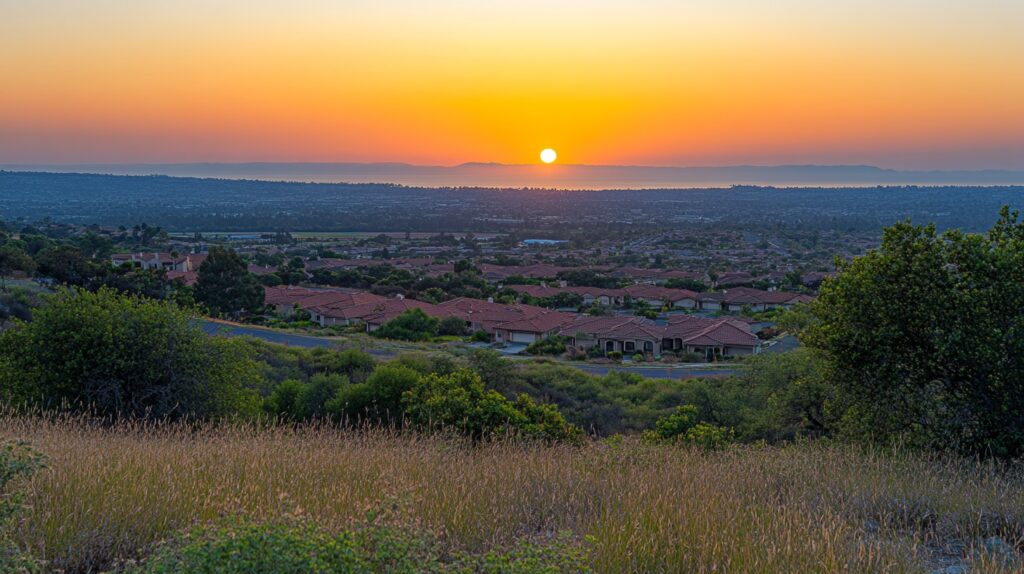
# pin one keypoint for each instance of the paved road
(309, 342)
(268, 335)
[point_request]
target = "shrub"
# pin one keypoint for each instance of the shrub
(682, 427)
(300, 546)
(284, 401)
(460, 402)
(687, 357)
(125, 355)
(451, 326)
(412, 325)
(615, 355)
(379, 399)
(481, 336)
(637, 358)
(553, 345)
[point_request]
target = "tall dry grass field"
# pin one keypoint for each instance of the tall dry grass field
(111, 492)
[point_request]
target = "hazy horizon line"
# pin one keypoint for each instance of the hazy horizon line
(96, 164)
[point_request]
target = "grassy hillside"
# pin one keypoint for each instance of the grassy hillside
(111, 493)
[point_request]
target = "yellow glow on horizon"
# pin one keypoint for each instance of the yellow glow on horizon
(548, 155)
(928, 83)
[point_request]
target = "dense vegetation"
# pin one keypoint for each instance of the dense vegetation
(124, 355)
(924, 338)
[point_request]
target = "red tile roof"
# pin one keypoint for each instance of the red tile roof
(380, 313)
(615, 327)
(541, 324)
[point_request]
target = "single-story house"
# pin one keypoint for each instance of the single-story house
(712, 338)
(625, 334)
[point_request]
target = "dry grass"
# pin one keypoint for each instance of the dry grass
(112, 492)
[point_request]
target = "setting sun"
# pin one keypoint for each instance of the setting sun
(548, 155)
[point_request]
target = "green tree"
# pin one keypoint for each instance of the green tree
(924, 338)
(643, 309)
(124, 355)
(13, 258)
(795, 320)
(64, 264)
(225, 285)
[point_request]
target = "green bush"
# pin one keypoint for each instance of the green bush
(379, 399)
(412, 325)
(683, 427)
(687, 357)
(451, 326)
(481, 336)
(615, 355)
(125, 355)
(300, 547)
(553, 345)
(459, 401)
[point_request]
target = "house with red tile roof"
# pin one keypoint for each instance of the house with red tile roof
(656, 296)
(153, 260)
(532, 328)
(737, 298)
(376, 314)
(487, 315)
(341, 308)
(712, 338)
(625, 334)
(602, 296)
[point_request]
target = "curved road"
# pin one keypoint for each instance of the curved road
(309, 342)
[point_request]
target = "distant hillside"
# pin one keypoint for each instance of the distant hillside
(559, 175)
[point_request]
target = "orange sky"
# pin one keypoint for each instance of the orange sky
(897, 83)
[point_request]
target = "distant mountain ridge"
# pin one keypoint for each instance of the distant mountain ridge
(475, 174)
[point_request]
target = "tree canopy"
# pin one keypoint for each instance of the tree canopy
(225, 284)
(924, 338)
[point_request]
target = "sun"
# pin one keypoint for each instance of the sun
(548, 155)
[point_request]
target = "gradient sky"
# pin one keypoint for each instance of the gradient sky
(896, 83)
